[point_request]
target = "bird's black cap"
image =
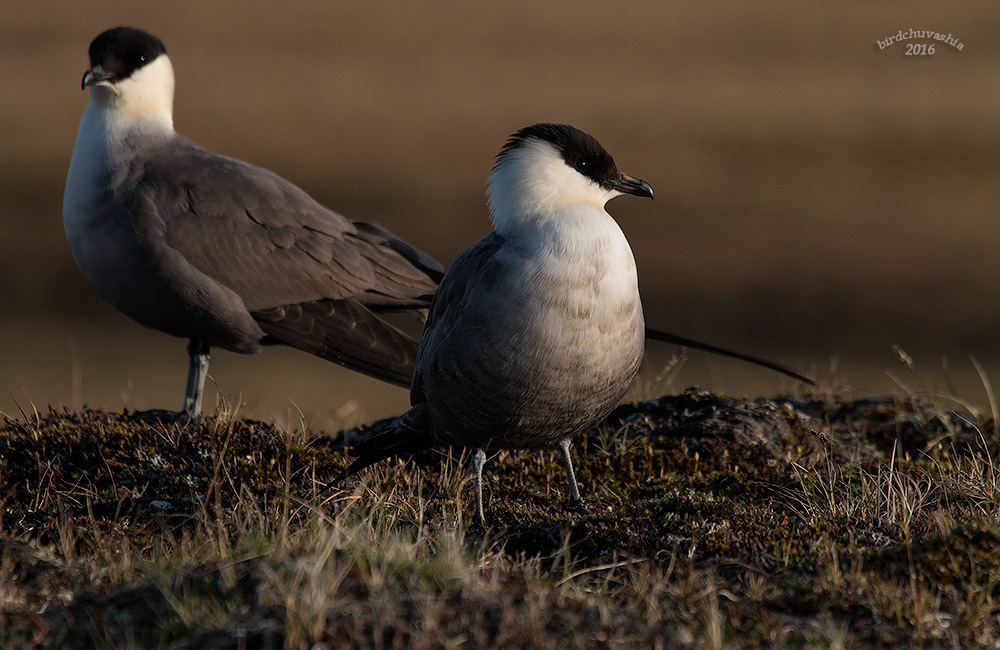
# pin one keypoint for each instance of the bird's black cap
(120, 51)
(582, 152)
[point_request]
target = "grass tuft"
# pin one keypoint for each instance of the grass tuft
(710, 522)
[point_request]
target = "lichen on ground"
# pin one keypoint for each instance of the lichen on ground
(709, 522)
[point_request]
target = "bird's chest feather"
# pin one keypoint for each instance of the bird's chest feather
(581, 289)
(97, 211)
(560, 344)
(89, 180)
(568, 321)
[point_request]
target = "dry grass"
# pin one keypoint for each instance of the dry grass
(711, 523)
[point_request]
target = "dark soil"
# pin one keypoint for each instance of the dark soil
(774, 502)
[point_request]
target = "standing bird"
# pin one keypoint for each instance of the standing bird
(217, 251)
(536, 331)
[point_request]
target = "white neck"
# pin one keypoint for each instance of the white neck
(118, 121)
(143, 101)
(532, 185)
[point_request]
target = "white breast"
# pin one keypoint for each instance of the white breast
(120, 120)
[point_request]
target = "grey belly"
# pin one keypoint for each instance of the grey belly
(535, 400)
(159, 290)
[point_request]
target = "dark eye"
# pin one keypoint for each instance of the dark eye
(581, 165)
(142, 57)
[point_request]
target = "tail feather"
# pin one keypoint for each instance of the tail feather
(663, 337)
(408, 435)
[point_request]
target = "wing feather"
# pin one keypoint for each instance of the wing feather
(269, 242)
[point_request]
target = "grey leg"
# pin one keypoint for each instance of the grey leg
(574, 491)
(477, 473)
(197, 371)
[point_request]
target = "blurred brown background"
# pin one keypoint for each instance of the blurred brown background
(817, 199)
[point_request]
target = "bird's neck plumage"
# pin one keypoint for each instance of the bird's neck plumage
(135, 108)
(119, 122)
(532, 188)
(554, 218)
(534, 197)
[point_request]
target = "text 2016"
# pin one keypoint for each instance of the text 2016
(919, 49)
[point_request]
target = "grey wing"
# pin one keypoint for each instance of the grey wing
(310, 278)
(452, 336)
(473, 271)
(273, 245)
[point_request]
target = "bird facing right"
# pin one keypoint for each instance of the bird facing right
(536, 332)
